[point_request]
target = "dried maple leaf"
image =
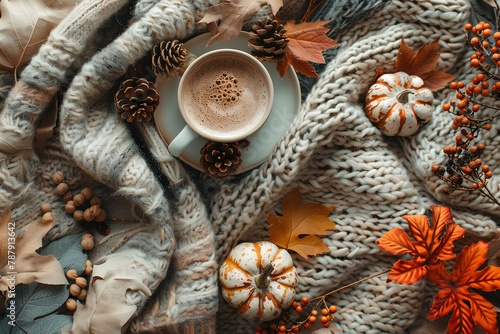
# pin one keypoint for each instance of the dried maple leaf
(306, 42)
(19, 261)
(469, 308)
(301, 224)
(25, 26)
(433, 243)
(225, 19)
(107, 309)
(422, 64)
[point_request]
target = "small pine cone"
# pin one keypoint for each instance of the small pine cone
(136, 99)
(220, 159)
(268, 40)
(168, 57)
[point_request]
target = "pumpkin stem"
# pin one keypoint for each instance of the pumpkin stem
(403, 96)
(262, 281)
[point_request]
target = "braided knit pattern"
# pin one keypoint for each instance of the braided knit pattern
(334, 155)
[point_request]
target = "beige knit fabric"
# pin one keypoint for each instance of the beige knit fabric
(188, 222)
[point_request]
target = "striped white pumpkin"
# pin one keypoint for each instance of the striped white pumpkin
(258, 279)
(398, 104)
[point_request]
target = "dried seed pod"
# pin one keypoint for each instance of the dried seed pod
(101, 217)
(70, 207)
(95, 201)
(71, 274)
(47, 217)
(74, 290)
(82, 295)
(57, 178)
(95, 210)
(87, 242)
(68, 196)
(71, 304)
(78, 199)
(81, 282)
(87, 193)
(62, 188)
(45, 207)
(87, 215)
(78, 215)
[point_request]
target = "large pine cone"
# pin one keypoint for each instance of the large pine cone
(268, 40)
(136, 99)
(168, 57)
(220, 159)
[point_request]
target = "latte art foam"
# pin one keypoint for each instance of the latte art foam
(226, 96)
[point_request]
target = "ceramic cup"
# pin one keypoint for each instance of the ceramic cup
(224, 95)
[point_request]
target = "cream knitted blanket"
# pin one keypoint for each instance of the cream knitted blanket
(183, 223)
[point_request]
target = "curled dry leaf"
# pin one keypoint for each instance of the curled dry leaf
(25, 26)
(106, 309)
(19, 259)
(225, 19)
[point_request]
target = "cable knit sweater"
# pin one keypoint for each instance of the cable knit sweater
(185, 222)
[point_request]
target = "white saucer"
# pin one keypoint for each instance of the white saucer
(169, 121)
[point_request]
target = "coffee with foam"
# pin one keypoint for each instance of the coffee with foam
(226, 96)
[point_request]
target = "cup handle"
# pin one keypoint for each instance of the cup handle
(182, 141)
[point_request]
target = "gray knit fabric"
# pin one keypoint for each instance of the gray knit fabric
(182, 223)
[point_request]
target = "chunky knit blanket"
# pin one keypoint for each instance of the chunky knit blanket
(182, 224)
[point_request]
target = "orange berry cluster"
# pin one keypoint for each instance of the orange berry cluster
(464, 169)
(288, 323)
(480, 38)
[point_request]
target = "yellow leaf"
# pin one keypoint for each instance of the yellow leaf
(300, 226)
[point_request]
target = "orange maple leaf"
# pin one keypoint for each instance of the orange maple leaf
(301, 224)
(306, 42)
(433, 243)
(469, 308)
(423, 64)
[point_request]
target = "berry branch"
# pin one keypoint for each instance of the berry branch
(464, 169)
(302, 319)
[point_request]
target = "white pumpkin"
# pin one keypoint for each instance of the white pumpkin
(258, 279)
(398, 104)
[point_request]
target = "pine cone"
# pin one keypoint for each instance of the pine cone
(268, 40)
(168, 57)
(220, 159)
(136, 99)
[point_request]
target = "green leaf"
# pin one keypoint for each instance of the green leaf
(37, 304)
(37, 300)
(68, 252)
(50, 324)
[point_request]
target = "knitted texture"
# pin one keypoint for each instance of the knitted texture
(181, 224)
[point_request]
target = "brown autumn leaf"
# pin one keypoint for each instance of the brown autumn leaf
(225, 19)
(106, 309)
(423, 64)
(19, 259)
(300, 226)
(25, 26)
(307, 41)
